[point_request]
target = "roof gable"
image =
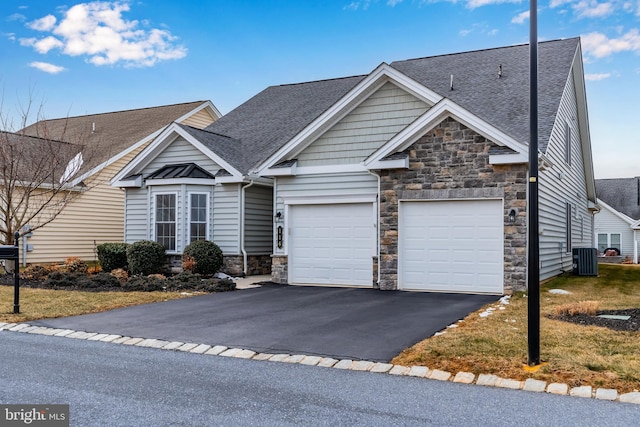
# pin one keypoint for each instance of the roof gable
(621, 194)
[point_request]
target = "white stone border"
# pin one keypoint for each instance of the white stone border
(531, 384)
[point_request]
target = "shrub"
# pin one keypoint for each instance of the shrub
(75, 265)
(145, 284)
(112, 256)
(63, 279)
(35, 272)
(145, 257)
(100, 280)
(188, 263)
(207, 256)
(120, 274)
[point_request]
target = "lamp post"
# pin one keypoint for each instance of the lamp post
(533, 264)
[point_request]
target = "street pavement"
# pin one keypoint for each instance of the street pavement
(116, 385)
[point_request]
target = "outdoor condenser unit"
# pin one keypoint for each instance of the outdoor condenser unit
(585, 261)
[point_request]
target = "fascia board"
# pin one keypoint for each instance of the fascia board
(617, 213)
(206, 104)
(177, 181)
(583, 123)
(508, 159)
(435, 115)
(382, 74)
(389, 164)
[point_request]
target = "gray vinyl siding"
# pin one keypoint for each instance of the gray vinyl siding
(561, 184)
(258, 220)
(326, 185)
(180, 151)
(376, 120)
(135, 215)
(607, 222)
(226, 218)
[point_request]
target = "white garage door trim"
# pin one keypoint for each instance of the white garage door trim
(331, 243)
(451, 245)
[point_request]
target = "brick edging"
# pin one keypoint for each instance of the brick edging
(490, 380)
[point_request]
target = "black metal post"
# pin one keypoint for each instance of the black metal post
(533, 270)
(16, 274)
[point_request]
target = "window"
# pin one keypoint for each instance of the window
(198, 210)
(166, 220)
(567, 143)
(568, 224)
(609, 240)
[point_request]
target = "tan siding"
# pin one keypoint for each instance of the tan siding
(371, 124)
(95, 216)
(200, 120)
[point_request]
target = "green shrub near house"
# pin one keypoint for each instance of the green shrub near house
(206, 254)
(145, 257)
(112, 256)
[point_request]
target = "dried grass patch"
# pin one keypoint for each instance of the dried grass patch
(589, 308)
(576, 355)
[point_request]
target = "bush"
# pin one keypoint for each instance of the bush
(63, 279)
(112, 256)
(145, 284)
(207, 256)
(100, 280)
(145, 257)
(35, 272)
(75, 265)
(120, 274)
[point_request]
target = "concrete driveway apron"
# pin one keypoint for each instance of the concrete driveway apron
(344, 323)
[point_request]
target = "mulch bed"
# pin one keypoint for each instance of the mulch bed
(631, 325)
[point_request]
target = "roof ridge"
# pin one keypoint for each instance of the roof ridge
(321, 80)
(122, 111)
(483, 50)
(24, 135)
(207, 131)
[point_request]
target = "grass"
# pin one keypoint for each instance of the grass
(44, 303)
(574, 354)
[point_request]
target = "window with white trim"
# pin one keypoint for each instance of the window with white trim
(567, 143)
(609, 240)
(568, 225)
(198, 209)
(165, 220)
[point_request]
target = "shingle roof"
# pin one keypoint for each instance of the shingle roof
(270, 119)
(266, 122)
(114, 131)
(37, 160)
(622, 194)
(500, 101)
(182, 170)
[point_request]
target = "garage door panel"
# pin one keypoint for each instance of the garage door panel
(451, 246)
(342, 237)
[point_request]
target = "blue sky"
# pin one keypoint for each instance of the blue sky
(79, 58)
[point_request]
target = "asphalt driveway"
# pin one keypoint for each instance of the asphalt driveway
(334, 322)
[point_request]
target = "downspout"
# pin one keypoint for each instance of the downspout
(242, 216)
(377, 225)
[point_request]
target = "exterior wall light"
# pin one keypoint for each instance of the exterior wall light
(512, 216)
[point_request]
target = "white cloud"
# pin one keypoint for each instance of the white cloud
(98, 31)
(593, 9)
(521, 18)
(16, 17)
(46, 67)
(43, 24)
(472, 4)
(392, 3)
(600, 46)
(557, 3)
(357, 5)
(596, 77)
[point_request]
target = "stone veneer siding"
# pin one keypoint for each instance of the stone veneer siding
(256, 265)
(279, 270)
(452, 162)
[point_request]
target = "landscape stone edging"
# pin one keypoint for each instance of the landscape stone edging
(490, 380)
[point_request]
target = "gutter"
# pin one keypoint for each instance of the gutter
(242, 228)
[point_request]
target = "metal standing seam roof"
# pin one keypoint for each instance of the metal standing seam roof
(269, 120)
(622, 194)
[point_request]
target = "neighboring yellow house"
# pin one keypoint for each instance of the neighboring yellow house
(97, 215)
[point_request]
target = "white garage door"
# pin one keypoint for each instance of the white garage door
(331, 244)
(451, 246)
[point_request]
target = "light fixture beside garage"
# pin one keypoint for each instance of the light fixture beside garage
(512, 216)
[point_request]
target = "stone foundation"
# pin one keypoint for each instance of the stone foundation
(452, 162)
(256, 265)
(279, 270)
(375, 273)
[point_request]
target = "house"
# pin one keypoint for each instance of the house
(192, 184)
(413, 176)
(96, 215)
(617, 225)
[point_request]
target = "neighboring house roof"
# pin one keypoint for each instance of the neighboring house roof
(622, 194)
(115, 132)
(37, 161)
